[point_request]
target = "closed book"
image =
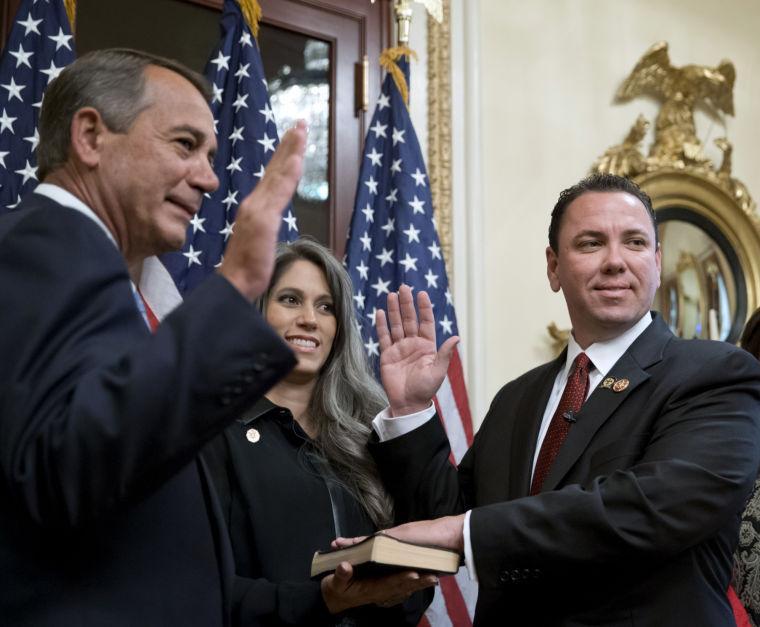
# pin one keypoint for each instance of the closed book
(381, 554)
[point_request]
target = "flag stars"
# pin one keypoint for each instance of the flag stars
(409, 263)
(14, 90)
(3, 155)
(221, 62)
(218, 92)
(372, 347)
(379, 129)
(290, 220)
(419, 178)
(369, 213)
(412, 233)
(417, 205)
(193, 256)
(242, 72)
(267, 113)
(61, 39)
(197, 224)
(380, 287)
(237, 134)
(53, 71)
(383, 101)
(449, 299)
(22, 56)
(230, 200)
(240, 102)
(446, 325)
(432, 279)
(375, 157)
(30, 25)
(398, 136)
(396, 165)
(261, 172)
(389, 227)
(267, 142)
(6, 122)
(435, 251)
(359, 298)
(28, 172)
(363, 270)
(234, 165)
(392, 197)
(227, 230)
(33, 139)
(371, 185)
(372, 315)
(385, 257)
(245, 39)
(366, 241)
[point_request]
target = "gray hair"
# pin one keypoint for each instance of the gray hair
(113, 83)
(347, 396)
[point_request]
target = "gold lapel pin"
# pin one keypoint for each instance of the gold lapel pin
(607, 383)
(252, 435)
(620, 385)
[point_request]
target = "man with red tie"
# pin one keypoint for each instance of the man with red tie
(605, 487)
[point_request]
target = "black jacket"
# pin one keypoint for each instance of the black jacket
(281, 504)
(639, 515)
(104, 516)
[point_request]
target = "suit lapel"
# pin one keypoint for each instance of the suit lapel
(645, 351)
(529, 412)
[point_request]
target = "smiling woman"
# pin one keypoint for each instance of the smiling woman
(294, 472)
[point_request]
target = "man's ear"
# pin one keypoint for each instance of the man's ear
(87, 129)
(551, 269)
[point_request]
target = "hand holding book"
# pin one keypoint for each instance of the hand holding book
(342, 590)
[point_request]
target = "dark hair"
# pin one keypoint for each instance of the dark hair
(597, 183)
(112, 82)
(750, 339)
(347, 396)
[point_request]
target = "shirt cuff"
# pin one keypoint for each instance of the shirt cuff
(469, 560)
(388, 427)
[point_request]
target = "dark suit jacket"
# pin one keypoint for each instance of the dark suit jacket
(104, 511)
(639, 514)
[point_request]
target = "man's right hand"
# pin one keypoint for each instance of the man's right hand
(249, 259)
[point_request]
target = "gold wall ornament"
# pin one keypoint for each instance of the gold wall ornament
(559, 337)
(676, 144)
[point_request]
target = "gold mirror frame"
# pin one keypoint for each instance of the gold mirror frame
(671, 188)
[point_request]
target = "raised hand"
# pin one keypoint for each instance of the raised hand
(249, 258)
(411, 369)
(342, 591)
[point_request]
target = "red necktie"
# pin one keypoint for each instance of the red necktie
(572, 398)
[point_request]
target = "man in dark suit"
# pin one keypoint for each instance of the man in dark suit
(104, 517)
(605, 487)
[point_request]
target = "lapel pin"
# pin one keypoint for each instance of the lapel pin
(252, 435)
(608, 383)
(620, 385)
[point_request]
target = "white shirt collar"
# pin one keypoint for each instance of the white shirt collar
(67, 199)
(604, 355)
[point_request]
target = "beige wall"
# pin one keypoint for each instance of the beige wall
(544, 73)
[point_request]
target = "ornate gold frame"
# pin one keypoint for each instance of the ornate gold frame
(741, 226)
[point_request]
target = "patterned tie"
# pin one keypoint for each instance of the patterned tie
(572, 398)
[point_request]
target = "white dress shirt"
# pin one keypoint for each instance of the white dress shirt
(603, 356)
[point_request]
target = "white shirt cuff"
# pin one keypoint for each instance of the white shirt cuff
(388, 427)
(469, 560)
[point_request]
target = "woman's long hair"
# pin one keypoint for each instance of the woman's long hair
(346, 396)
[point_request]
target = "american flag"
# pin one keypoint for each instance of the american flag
(247, 137)
(39, 47)
(393, 240)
